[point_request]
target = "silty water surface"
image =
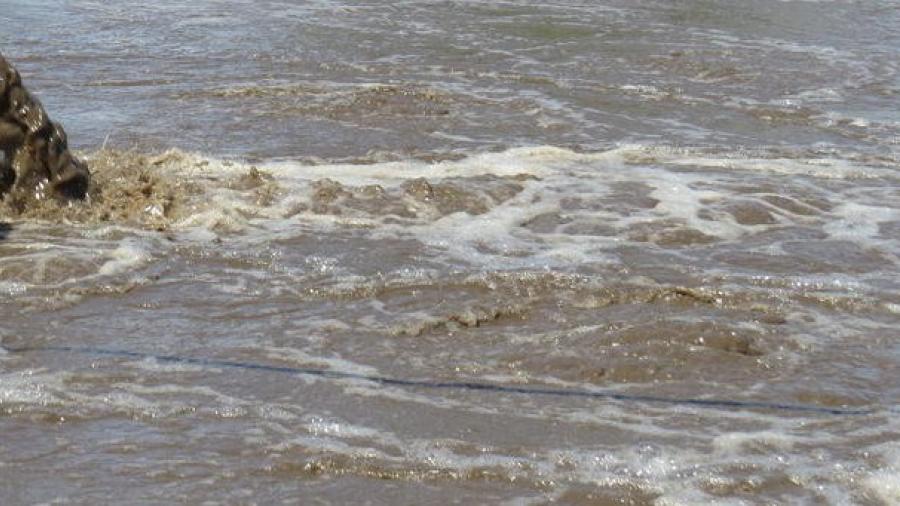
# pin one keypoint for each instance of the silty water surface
(690, 199)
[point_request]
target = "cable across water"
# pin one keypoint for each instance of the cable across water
(712, 403)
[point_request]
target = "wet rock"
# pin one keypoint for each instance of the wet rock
(36, 160)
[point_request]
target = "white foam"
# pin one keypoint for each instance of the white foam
(128, 255)
(678, 200)
(28, 387)
(819, 95)
(885, 485)
(736, 442)
(12, 288)
(535, 161)
(693, 190)
(300, 357)
(318, 426)
(820, 168)
(558, 172)
(859, 222)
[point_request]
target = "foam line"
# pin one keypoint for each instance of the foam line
(452, 385)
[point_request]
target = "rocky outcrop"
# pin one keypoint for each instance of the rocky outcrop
(35, 152)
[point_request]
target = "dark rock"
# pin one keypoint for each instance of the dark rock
(35, 150)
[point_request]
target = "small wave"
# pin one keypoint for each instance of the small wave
(527, 208)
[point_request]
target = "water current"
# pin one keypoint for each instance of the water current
(633, 199)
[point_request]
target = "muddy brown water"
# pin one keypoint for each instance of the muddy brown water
(691, 200)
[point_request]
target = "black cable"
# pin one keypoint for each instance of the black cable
(452, 385)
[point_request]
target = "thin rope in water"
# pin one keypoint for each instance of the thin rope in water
(709, 403)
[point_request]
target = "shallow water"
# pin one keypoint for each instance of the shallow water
(693, 200)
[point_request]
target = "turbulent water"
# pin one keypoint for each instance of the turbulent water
(636, 201)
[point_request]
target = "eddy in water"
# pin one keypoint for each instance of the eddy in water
(35, 149)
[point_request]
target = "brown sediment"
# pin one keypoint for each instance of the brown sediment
(763, 485)
(791, 205)
(811, 256)
(144, 190)
(708, 335)
(275, 90)
(673, 233)
(606, 495)
(260, 183)
(414, 199)
(253, 179)
(333, 198)
(450, 196)
(126, 189)
(395, 100)
(334, 464)
(703, 66)
(474, 316)
(659, 349)
(36, 160)
(784, 115)
(751, 213)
